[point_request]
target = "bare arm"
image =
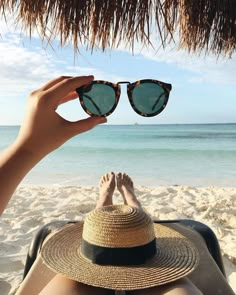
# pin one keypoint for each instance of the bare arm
(42, 131)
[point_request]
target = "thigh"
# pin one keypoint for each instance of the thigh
(61, 285)
(180, 287)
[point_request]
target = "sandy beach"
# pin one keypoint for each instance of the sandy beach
(33, 206)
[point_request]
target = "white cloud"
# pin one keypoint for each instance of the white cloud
(21, 68)
(202, 68)
(80, 71)
(24, 69)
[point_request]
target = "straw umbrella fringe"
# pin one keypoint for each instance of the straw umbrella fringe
(198, 25)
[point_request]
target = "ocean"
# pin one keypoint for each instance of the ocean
(153, 155)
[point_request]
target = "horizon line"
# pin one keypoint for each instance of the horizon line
(137, 124)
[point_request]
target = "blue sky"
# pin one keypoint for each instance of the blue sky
(203, 87)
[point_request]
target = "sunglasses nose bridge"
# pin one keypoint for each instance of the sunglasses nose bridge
(123, 82)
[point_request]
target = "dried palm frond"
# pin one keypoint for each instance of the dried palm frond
(208, 25)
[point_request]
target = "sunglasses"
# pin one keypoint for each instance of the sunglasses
(147, 97)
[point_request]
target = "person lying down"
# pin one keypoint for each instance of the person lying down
(118, 247)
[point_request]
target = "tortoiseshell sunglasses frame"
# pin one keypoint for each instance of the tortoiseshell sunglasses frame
(130, 87)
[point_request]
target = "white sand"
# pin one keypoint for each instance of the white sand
(31, 207)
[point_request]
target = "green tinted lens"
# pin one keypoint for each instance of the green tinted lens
(148, 98)
(99, 99)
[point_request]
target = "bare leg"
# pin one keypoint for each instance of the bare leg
(180, 287)
(126, 188)
(106, 189)
(62, 286)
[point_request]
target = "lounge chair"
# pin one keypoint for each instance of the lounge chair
(209, 277)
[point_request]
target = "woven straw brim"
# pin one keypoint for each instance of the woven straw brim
(176, 257)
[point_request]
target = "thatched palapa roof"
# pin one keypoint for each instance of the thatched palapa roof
(196, 25)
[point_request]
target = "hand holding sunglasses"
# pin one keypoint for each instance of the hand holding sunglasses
(147, 97)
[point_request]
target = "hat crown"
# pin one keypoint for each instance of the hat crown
(118, 226)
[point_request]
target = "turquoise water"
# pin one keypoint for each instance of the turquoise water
(198, 155)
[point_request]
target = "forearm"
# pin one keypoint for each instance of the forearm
(15, 163)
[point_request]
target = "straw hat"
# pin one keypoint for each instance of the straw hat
(120, 248)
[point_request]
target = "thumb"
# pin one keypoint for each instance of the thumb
(86, 124)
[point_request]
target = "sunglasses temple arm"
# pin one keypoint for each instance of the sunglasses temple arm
(89, 98)
(163, 93)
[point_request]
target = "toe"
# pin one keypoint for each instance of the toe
(130, 181)
(106, 177)
(118, 177)
(112, 176)
(101, 181)
(126, 178)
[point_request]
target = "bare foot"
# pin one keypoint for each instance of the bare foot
(106, 190)
(126, 187)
